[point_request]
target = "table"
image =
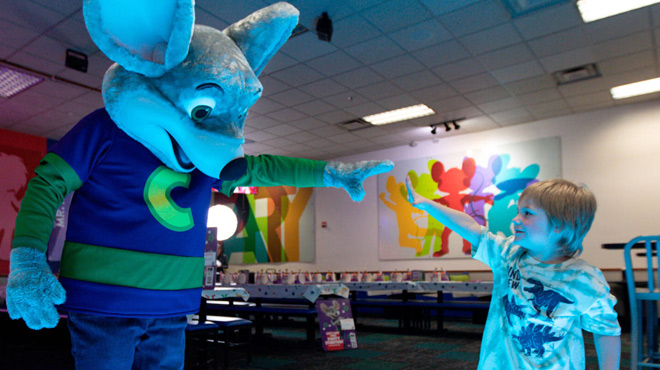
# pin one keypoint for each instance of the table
(220, 293)
(284, 300)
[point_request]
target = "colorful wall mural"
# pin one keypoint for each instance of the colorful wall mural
(19, 156)
(274, 225)
(484, 183)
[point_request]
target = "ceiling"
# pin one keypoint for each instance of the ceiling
(463, 58)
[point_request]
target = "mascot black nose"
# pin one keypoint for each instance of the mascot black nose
(234, 169)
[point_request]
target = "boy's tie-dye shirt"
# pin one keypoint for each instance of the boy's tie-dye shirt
(538, 311)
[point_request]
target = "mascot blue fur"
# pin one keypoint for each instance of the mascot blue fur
(142, 169)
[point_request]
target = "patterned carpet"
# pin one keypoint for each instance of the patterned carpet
(382, 347)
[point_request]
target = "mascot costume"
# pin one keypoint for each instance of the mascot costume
(142, 169)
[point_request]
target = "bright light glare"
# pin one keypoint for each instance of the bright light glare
(592, 10)
(401, 114)
(224, 219)
(636, 88)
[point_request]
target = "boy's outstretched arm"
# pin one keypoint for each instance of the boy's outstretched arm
(608, 350)
(457, 221)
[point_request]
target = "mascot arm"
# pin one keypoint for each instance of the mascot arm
(32, 289)
(271, 170)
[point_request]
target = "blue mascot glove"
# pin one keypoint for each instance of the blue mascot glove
(32, 289)
(350, 176)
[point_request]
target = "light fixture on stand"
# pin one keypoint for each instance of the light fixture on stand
(453, 122)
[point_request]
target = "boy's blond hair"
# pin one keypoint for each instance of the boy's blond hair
(570, 208)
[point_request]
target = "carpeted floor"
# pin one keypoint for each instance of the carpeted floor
(381, 346)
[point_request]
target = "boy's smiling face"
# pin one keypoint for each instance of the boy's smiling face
(534, 232)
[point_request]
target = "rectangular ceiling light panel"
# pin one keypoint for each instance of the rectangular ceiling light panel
(397, 115)
(635, 89)
(12, 81)
(592, 10)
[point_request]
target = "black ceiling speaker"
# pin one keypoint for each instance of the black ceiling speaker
(324, 27)
(76, 60)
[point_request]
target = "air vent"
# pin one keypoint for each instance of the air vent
(576, 74)
(354, 124)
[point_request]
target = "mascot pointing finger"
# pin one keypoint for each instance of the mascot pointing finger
(141, 170)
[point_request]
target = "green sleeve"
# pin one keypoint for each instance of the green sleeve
(274, 170)
(45, 193)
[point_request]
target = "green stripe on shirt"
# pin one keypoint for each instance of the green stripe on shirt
(129, 268)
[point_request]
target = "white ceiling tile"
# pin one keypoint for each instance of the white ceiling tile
(323, 88)
(21, 36)
(73, 33)
(570, 59)
(586, 86)
(379, 90)
(441, 54)
(474, 83)
(549, 20)
(540, 96)
(290, 97)
(286, 115)
(334, 63)
(31, 16)
(321, 143)
(279, 61)
(344, 138)
(65, 7)
(315, 107)
(474, 17)
(273, 86)
(375, 50)
(620, 25)
(308, 123)
(460, 69)
(417, 80)
(365, 109)
(513, 115)
(449, 104)
(259, 136)
(627, 63)
(336, 116)
(624, 45)
(346, 99)
(559, 42)
(303, 137)
(327, 131)
(600, 99)
(500, 105)
(491, 39)
(443, 7)
(488, 95)
(510, 55)
(531, 84)
(353, 30)
(265, 105)
(307, 46)
(297, 75)
(421, 35)
(358, 78)
(398, 101)
(282, 130)
(261, 122)
(394, 15)
(549, 109)
(278, 142)
(518, 72)
(432, 93)
(398, 66)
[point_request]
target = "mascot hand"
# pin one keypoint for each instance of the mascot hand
(32, 289)
(350, 176)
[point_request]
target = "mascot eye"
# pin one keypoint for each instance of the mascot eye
(200, 112)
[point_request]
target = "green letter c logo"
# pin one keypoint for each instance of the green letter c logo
(159, 200)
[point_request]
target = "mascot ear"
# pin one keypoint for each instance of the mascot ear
(261, 34)
(149, 37)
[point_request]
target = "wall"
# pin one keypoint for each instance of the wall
(614, 151)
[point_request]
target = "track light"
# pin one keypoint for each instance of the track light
(454, 122)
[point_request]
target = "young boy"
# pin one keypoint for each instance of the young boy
(543, 295)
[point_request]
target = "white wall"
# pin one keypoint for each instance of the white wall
(616, 152)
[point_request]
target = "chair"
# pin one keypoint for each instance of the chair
(201, 345)
(236, 333)
(643, 296)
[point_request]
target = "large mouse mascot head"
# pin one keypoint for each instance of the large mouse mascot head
(142, 169)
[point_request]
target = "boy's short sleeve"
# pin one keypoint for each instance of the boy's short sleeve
(490, 247)
(601, 318)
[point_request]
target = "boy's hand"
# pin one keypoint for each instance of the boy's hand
(413, 197)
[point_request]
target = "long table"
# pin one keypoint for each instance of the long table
(278, 299)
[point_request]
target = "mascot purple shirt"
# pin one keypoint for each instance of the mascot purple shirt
(142, 169)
